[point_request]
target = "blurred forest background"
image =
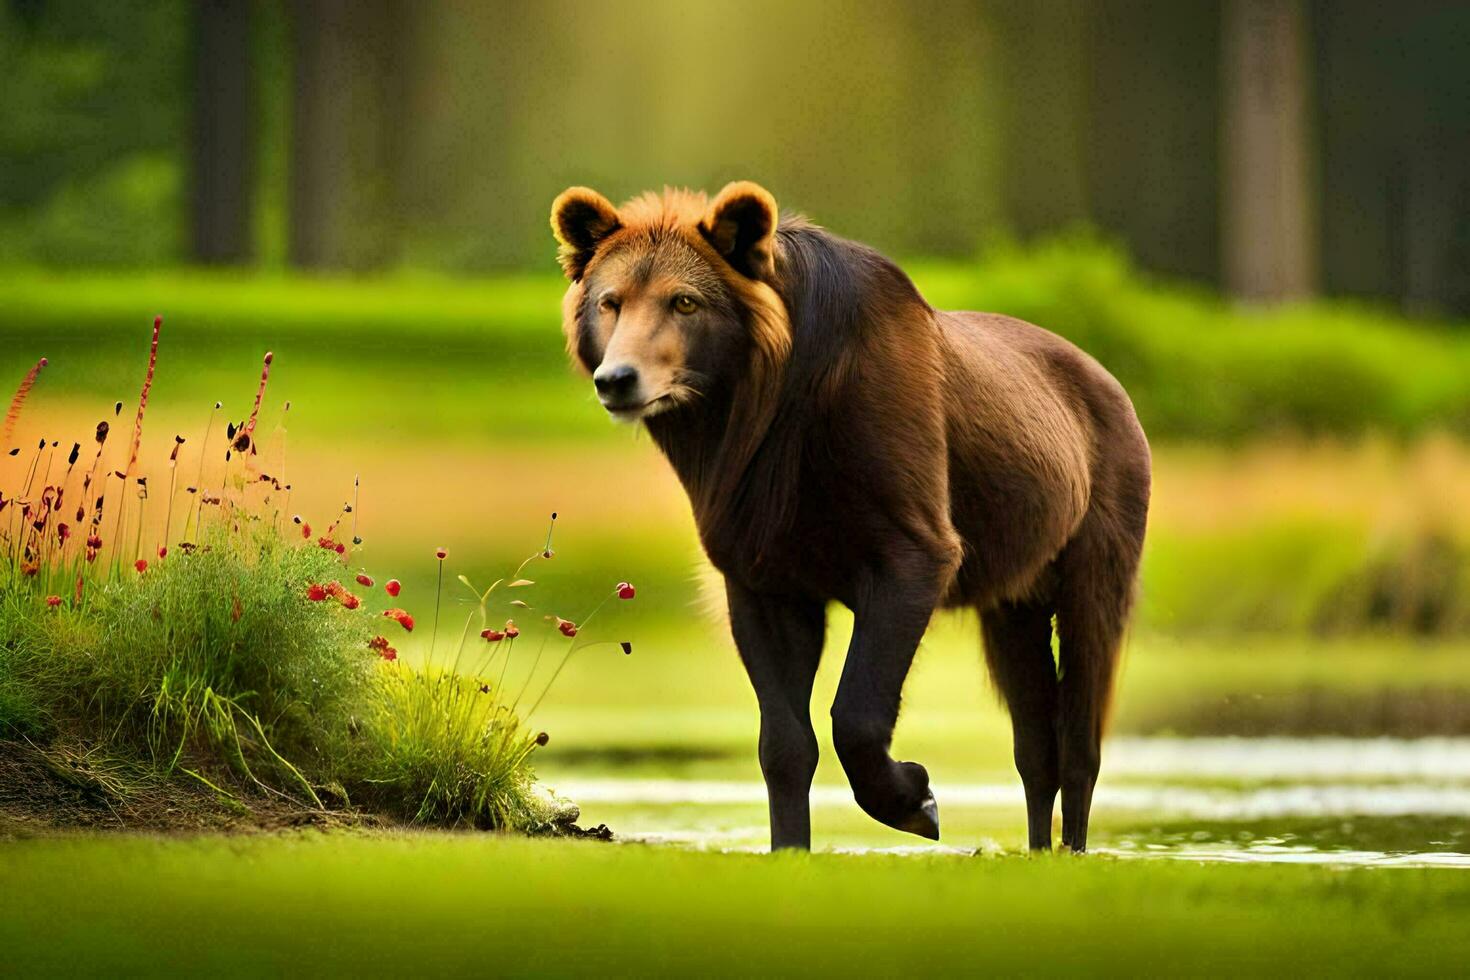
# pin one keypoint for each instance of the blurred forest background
(1271, 148)
(1255, 213)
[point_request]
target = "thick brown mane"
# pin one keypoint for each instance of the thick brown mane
(712, 462)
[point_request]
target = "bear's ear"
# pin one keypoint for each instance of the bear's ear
(741, 225)
(581, 218)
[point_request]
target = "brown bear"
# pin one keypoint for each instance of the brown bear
(842, 440)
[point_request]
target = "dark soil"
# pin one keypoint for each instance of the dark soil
(47, 791)
(51, 791)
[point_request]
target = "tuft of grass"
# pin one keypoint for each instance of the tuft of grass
(438, 748)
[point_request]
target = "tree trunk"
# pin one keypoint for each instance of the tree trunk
(223, 171)
(1269, 213)
(344, 91)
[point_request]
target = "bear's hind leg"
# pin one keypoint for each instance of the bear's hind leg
(1097, 573)
(1018, 652)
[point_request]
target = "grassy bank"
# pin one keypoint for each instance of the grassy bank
(455, 905)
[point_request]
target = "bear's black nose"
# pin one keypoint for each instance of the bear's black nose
(614, 384)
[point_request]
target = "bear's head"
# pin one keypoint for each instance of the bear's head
(671, 303)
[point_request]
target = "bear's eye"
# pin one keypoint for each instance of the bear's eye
(685, 305)
(608, 303)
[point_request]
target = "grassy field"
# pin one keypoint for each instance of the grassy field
(441, 905)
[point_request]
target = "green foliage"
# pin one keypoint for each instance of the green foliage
(1195, 367)
(91, 161)
(1198, 368)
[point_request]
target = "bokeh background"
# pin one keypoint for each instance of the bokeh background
(1255, 213)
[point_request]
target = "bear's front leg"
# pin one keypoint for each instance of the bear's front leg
(780, 641)
(893, 610)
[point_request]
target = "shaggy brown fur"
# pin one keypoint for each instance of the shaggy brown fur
(841, 440)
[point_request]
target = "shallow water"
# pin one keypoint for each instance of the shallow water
(1387, 803)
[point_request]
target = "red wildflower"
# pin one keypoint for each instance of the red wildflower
(378, 643)
(315, 592)
(511, 629)
(626, 590)
(63, 531)
(326, 544)
(29, 568)
(94, 542)
(335, 590)
(392, 587)
(141, 565)
(390, 654)
(400, 617)
(441, 554)
(349, 601)
(53, 601)
(566, 626)
(163, 551)
(492, 635)
(341, 548)
(364, 580)
(306, 530)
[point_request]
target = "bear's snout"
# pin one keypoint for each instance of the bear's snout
(617, 385)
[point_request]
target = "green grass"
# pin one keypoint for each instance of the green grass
(440, 905)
